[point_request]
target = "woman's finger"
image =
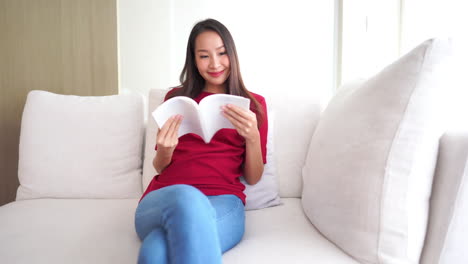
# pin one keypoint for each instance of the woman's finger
(236, 123)
(170, 130)
(244, 130)
(166, 128)
(163, 131)
(243, 117)
(235, 112)
(177, 122)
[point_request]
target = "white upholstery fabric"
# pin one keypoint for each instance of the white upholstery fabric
(282, 234)
(48, 231)
(447, 233)
(72, 231)
(369, 170)
(296, 117)
(80, 146)
(156, 97)
(261, 195)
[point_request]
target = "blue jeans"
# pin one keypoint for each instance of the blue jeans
(179, 224)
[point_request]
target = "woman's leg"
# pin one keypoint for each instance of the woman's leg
(154, 249)
(183, 218)
(230, 219)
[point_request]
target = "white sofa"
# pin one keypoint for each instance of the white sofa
(82, 169)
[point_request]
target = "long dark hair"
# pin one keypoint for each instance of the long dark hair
(192, 83)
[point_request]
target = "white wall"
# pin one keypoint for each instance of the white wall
(283, 46)
(144, 31)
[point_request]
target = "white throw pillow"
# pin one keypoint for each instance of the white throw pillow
(266, 192)
(369, 169)
(80, 146)
(263, 194)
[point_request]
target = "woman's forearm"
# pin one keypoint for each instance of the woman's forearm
(162, 160)
(253, 165)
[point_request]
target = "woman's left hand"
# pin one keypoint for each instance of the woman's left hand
(245, 122)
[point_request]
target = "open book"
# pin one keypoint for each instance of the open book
(203, 119)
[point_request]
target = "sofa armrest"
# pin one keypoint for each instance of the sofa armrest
(447, 233)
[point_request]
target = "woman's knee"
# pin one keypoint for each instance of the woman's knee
(188, 201)
(173, 201)
(181, 191)
(174, 194)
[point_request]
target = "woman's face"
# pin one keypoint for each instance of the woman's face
(212, 60)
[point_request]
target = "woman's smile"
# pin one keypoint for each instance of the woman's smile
(216, 74)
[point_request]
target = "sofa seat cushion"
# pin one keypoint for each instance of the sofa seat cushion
(283, 234)
(68, 231)
(102, 231)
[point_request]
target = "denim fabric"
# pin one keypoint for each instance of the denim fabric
(179, 224)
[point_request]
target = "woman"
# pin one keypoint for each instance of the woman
(193, 211)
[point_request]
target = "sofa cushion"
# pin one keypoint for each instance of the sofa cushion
(261, 195)
(369, 170)
(447, 233)
(102, 231)
(282, 234)
(296, 117)
(80, 146)
(48, 231)
(156, 97)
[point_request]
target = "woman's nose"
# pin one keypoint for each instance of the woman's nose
(214, 62)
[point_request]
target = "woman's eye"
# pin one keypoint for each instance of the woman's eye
(223, 53)
(203, 57)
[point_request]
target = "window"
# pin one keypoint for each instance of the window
(370, 37)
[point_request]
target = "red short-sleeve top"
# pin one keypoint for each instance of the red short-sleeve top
(213, 168)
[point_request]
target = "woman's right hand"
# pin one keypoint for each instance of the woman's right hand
(166, 141)
(168, 137)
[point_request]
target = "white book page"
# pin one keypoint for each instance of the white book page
(180, 105)
(211, 115)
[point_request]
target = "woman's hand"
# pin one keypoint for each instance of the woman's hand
(245, 122)
(166, 141)
(168, 137)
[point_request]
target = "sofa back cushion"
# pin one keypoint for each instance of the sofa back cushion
(155, 98)
(369, 170)
(80, 147)
(296, 116)
(261, 195)
(447, 233)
